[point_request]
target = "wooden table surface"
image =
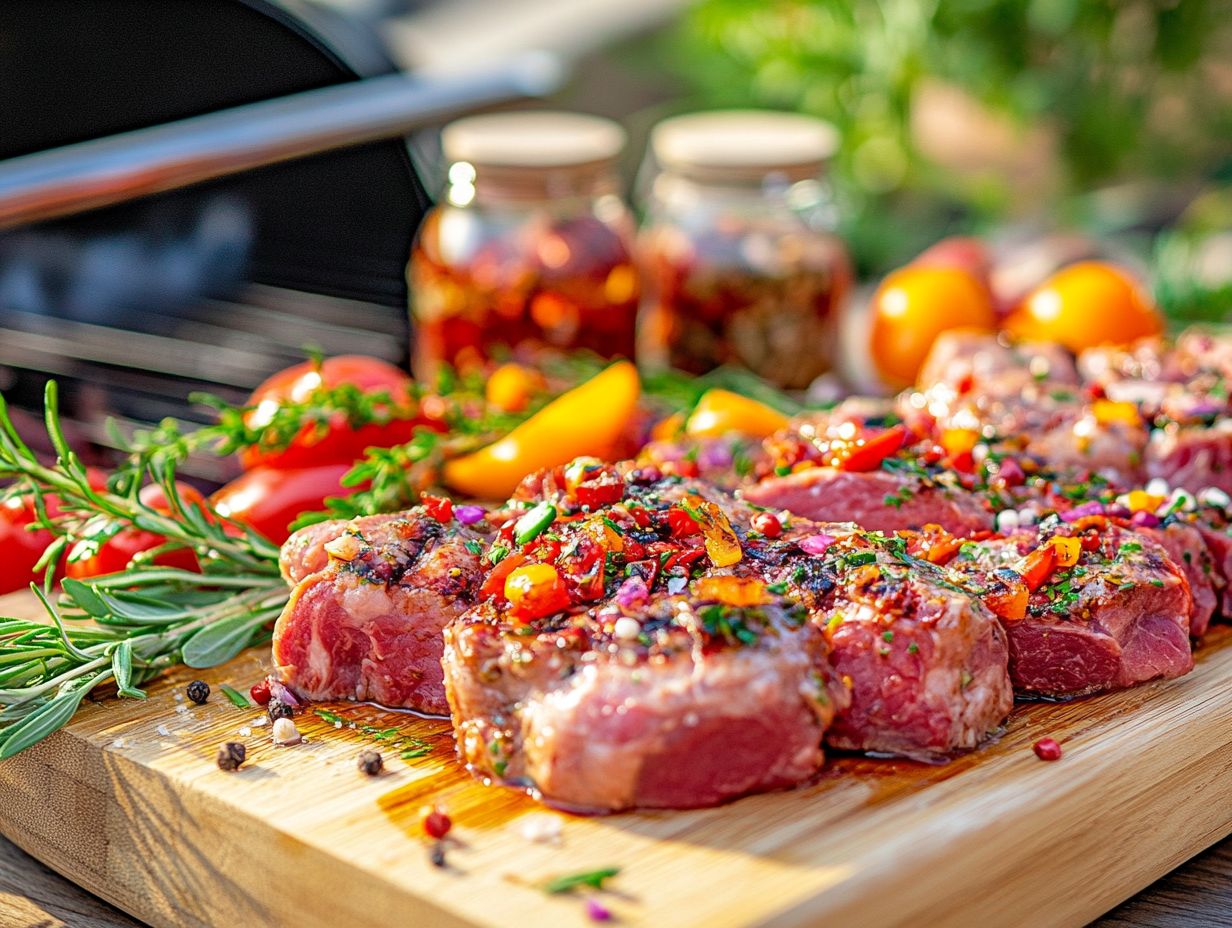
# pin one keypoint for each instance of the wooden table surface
(1195, 895)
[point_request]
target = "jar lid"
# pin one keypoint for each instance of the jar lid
(744, 144)
(532, 139)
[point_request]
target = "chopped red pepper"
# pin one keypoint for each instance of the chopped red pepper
(494, 583)
(682, 524)
(1037, 566)
(438, 507)
(869, 453)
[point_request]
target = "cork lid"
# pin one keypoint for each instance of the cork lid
(532, 139)
(744, 144)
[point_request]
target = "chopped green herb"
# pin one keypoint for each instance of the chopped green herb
(474, 547)
(592, 878)
(331, 717)
(238, 699)
(887, 636)
(913, 648)
(1155, 581)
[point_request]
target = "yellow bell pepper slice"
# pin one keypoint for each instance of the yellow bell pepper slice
(1108, 412)
(720, 412)
(586, 420)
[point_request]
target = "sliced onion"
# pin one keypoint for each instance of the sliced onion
(816, 544)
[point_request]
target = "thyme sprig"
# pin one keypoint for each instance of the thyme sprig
(122, 629)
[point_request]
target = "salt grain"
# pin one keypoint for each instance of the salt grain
(245, 732)
(118, 743)
(540, 828)
(163, 730)
(260, 720)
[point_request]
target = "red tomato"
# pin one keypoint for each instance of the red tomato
(268, 499)
(118, 551)
(339, 443)
(21, 548)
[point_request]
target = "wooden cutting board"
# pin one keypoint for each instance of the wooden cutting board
(128, 802)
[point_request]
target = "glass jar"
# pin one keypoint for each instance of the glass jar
(740, 263)
(530, 246)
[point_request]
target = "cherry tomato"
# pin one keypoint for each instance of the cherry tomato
(535, 590)
(1087, 304)
(913, 306)
(117, 552)
(339, 443)
(268, 499)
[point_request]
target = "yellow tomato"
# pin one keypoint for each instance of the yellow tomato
(586, 420)
(1086, 304)
(719, 412)
(913, 306)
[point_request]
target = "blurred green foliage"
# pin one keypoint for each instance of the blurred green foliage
(1125, 90)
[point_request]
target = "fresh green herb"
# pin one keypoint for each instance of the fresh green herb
(1155, 581)
(474, 547)
(593, 879)
(238, 699)
(332, 717)
(887, 636)
(144, 620)
(913, 648)
(497, 554)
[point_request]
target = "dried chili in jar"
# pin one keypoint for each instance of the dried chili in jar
(740, 261)
(530, 246)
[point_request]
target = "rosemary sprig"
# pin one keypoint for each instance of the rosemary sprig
(126, 628)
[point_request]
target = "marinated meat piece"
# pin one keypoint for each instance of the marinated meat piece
(1188, 550)
(925, 661)
(367, 625)
(877, 500)
(969, 360)
(1194, 457)
(830, 468)
(304, 552)
(675, 702)
(1089, 606)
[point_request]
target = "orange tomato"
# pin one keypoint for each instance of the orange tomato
(1086, 304)
(913, 306)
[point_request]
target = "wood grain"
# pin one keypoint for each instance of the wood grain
(145, 819)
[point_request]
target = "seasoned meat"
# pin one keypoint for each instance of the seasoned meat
(367, 624)
(304, 552)
(965, 359)
(1119, 615)
(878, 500)
(676, 702)
(1188, 550)
(925, 661)
(1192, 456)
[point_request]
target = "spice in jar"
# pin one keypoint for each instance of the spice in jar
(530, 246)
(740, 263)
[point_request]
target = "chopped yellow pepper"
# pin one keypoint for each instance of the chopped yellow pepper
(1142, 501)
(586, 420)
(1110, 412)
(1067, 550)
(733, 591)
(720, 412)
(722, 544)
(959, 441)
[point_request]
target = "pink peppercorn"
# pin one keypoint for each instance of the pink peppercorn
(597, 911)
(1047, 749)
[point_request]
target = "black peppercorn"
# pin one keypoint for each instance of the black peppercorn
(231, 755)
(199, 691)
(437, 854)
(278, 709)
(370, 762)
